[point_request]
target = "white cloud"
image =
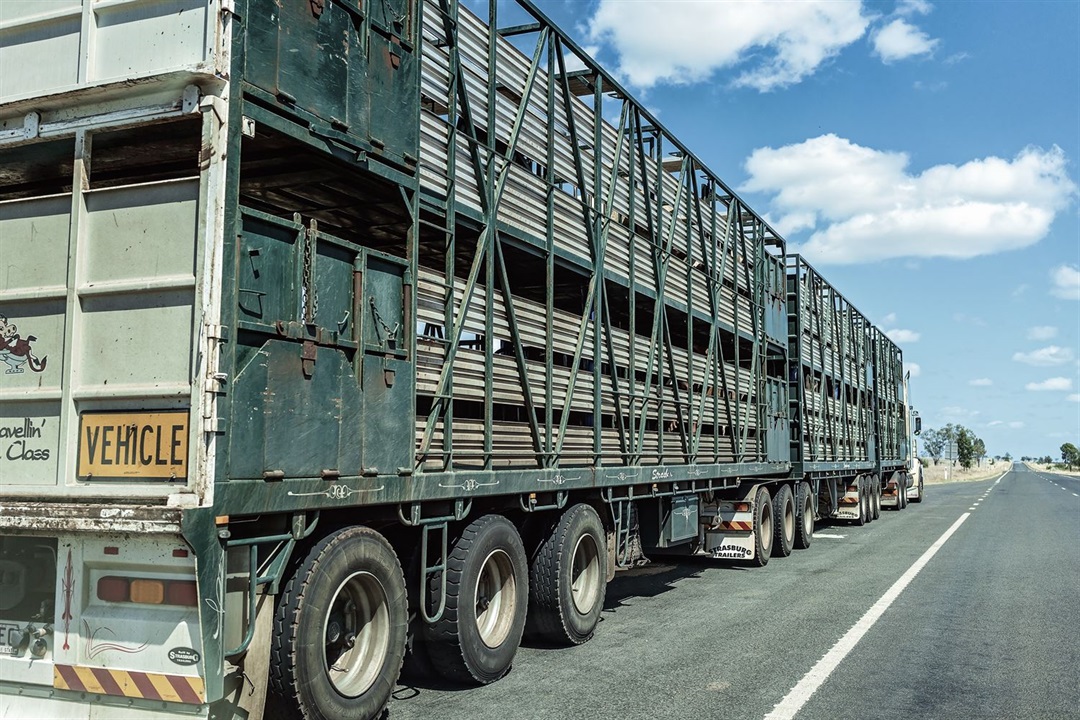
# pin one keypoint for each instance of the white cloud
(994, 423)
(914, 368)
(959, 414)
(900, 39)
(1075, 397)
(1054, 383)
(957, 57)
(1066, 280)
(772, 43)
(981, 382)
(1045, 357)
(930, 86)
(1016, 424)
(913, 7)
(1042, 332)
(868, 206)
(969, 319)
(900, 335)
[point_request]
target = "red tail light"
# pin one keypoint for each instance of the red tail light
(113, 589)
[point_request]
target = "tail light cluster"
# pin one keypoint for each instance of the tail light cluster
(147, 591)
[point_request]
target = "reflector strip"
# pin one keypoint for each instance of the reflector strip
(738, 525)
(132, 684)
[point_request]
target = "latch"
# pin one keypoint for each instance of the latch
(308, 352)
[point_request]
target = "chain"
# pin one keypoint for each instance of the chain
(311, 295)
(391, 332)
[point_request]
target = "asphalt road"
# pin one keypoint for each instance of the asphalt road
(988, 628)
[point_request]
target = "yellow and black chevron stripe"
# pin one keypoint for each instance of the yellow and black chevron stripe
(130, 684)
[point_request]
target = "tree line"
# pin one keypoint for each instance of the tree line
(970, 448)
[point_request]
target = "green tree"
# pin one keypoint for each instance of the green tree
(980, 450)
(1070, 454)
(933, 443)
(965, 446)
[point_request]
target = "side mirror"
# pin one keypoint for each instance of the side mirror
(918, 424)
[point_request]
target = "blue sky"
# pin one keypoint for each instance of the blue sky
(923, 155)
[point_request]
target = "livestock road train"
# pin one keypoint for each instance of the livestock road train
(340, 334)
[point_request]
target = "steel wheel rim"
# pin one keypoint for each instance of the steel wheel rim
(766, 527)
(585, 574)
(496, 599)
(356, 634)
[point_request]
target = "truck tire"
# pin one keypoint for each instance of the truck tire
(339, 629)
(763, 528)
(487, 594)
(922, 493)
(869, 499)
(875, 483)
(901, 492)
(861, 519)
(783, 522)
(804, 516)
(568, 578)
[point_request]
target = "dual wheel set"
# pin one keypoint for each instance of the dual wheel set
(342, 622)
(869, 500)
(783, 521)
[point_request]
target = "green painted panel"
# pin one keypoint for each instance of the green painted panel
(333, 282)
(298, 52)
(266, 273)
(290, 423)
(389, 375)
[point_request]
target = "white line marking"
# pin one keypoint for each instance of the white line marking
(787, 708)
(830, 537)
(971, 508)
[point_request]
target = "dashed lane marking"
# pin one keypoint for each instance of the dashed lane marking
(794, 700)
(829, 536)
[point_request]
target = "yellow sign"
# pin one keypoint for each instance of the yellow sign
(152, 445)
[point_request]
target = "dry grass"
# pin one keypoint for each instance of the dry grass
(935, 474)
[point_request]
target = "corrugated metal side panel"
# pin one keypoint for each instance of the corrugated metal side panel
(830, 372)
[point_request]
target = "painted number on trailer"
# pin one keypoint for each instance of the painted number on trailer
(150, 445)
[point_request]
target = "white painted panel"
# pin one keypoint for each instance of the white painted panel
(29, 442)
(33, 346)
(28, 11)
(141, 232)
(34, 238)
(37, 57)
(135, 233)
(141, 37)
(136, 339)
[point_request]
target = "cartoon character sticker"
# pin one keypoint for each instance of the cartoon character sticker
(16, 351)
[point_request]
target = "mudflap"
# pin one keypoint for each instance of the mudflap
(728, 525)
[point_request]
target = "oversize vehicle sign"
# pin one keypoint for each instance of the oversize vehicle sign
(133, 446)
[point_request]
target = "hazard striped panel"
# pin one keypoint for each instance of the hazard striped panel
(736, 525)
(130, 684)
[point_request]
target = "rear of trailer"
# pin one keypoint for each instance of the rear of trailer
(340, 332)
